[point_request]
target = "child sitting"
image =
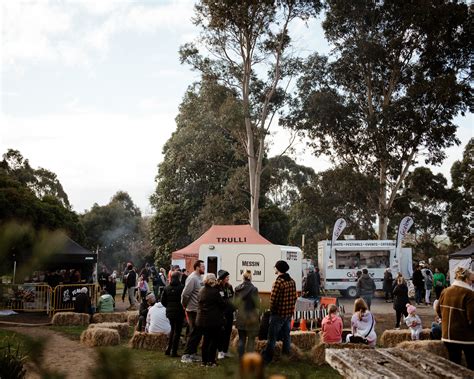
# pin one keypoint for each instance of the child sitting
(413, 321)
(435, 333)
(331, 326)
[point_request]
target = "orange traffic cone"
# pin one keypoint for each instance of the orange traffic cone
(303, 327)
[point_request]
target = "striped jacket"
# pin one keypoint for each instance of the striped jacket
(283, 296)
(456, 309)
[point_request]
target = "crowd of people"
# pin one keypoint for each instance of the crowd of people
(208, 307)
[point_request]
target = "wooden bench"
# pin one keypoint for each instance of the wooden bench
(393, 363)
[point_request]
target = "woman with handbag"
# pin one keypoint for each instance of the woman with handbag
(363, 325)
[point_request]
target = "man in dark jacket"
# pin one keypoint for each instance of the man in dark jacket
(82, 304)
(147, 302)
(131, 284)
(312, 284)
(366, 287)
(282, 307)
(419, 283)
(171, 300)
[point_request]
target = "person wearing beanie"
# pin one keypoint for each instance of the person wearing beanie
(282, 306)
(227, 293)
(82, 302)
(413, 322)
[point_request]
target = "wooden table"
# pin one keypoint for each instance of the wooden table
(393, 363)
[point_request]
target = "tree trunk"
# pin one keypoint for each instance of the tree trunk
(383, 211)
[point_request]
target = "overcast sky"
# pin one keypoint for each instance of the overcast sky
(90, 90)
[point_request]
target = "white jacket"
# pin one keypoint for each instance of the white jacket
(156, 320)
(362, 327)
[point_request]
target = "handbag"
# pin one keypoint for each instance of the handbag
(363, 340)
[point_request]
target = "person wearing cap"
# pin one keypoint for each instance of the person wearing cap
(227, 293)
(82, 304)
(282, 306)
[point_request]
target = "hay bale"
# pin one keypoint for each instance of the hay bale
(98, 318)
(132, 318)
(121, 327)
(100, 337)
(318, 352)
(432, 346)
(296, 355)
(391, 338)
(149, 341)
(304, 340)
(70, 319)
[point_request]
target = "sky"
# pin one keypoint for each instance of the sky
(90, 89)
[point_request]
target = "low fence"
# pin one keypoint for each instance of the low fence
(33, 297)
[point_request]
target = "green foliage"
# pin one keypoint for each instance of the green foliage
(460, 222)
(12, 360)
(35, 197)
(118, 230)
(398, 75)
(116, 363)
(334, 193)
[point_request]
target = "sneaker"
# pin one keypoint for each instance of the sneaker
(186, 358)
(397, 328)
(220, 355)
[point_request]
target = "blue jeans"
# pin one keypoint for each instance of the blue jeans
(418, 295)
(279, 327)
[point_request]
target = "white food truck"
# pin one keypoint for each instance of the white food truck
(259, 258)
(339, 265)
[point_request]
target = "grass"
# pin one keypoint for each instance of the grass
(153, 364)
(14, 338)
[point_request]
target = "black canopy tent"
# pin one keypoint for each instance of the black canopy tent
(71, 254)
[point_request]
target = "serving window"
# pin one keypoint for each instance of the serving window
(358, 259)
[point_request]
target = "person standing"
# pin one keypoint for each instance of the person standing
(419, 284)
(456, 309)
(124, 281)
(388, 285)
(227, 293)
(428, 276)
(439, 281)
(366, 287)
(189, 300)
(282, 306)
(400, 300)
(210, 318)
(131, 284)
(312, 284)
(247, 320)
(171, 299)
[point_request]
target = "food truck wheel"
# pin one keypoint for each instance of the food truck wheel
(351, 292)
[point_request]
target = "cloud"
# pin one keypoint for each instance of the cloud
(75, 32)
(94, 154)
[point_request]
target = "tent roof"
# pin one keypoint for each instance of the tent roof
(464, 253)
(219, 234)
(72, 252)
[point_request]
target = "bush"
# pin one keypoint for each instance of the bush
(11, 361)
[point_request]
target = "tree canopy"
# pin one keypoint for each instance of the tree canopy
(386, 98)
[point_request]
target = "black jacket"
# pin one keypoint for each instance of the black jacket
(312, 284)
(82, 303)
(247, 301)
(400, 297)
(171, 300)
(211, 308)
(387, 281)
(131, 279)
(418, 280)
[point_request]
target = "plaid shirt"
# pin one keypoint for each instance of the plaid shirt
(283, 297)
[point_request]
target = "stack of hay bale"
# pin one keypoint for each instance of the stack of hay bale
(391, 338)
(149, 341)
(70, 319)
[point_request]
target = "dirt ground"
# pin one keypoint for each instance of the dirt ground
(61, 354)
